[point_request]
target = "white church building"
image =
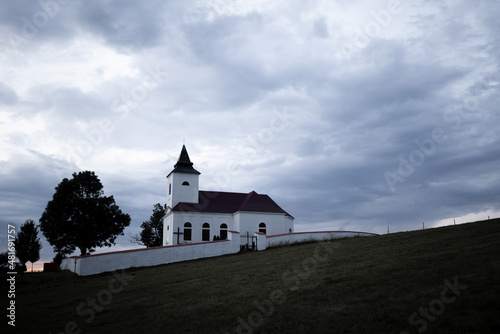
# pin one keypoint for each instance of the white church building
(195, 216)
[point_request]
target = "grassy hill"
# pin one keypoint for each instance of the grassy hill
(443, 280)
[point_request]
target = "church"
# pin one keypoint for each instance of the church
(195, 220)
(195, 216)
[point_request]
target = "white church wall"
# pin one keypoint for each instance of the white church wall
(236, 222)
(197, 220)
(99, 263)
(218, 220)
(298, 237)
(288, 225)
(204, 219)
(168, 230)
(249, 221)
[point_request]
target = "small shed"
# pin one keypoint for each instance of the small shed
(49, 267)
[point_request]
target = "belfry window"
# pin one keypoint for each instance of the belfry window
(187, 231)
(185, 183)
(205, 232)
(262, 228)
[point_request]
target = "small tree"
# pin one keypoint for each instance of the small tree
(152, 229)
(80, 216)
(28, 244)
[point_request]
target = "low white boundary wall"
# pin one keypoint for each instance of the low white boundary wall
(99, 263)
(146, 257)
(298, 237)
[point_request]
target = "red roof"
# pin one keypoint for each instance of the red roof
(228, 202)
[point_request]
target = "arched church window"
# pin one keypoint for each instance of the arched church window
(187, 231)
(185, 183)
(169, 188)
(223, 231)
(205, 232)
(262, 228)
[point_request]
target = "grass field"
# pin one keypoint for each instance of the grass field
(443, 280)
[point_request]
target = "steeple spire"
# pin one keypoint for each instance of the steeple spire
(184, 164)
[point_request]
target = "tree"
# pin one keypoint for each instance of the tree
(152, 229)
(27, 243)
(58, 259)
(80, 216)
(4, 257)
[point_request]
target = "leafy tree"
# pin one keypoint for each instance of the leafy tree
(80, 216)
(152, 229)
(4, 257)
(27, 243)
(58, 259)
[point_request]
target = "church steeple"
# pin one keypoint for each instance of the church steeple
(183, 182)
(184, 164)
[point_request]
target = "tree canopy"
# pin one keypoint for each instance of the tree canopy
(4, 257)
(27, 243)
(80, 216)
(152, 229)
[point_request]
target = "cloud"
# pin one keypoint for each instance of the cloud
(320, 28)
(28, 24)
(124, 25)
(7, 95)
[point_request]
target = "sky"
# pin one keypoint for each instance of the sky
(351, 115)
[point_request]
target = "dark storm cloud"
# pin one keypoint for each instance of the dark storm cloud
(26, 24)
(27, 185)
(124, 24)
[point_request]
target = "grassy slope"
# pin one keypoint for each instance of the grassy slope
(366, 285)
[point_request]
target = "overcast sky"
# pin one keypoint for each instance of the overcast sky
(351, 115)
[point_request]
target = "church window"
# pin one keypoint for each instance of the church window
(185, 183)
(205, 232)
(187, 231)
(169, 188)
(223, 231)
(262, 228)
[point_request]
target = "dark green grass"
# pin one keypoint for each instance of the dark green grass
(366, 285)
